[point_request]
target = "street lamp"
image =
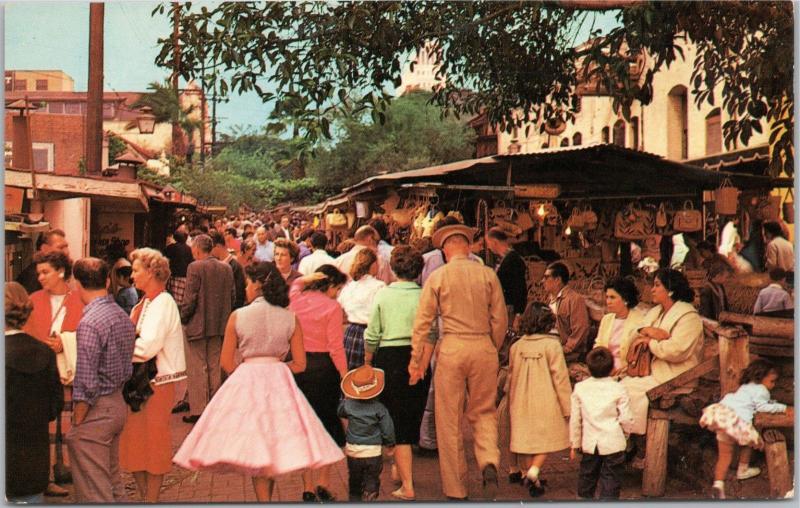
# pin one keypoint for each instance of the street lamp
(146, 121)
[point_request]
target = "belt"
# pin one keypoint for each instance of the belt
(357, 324)
(168, 377)
(262, 359)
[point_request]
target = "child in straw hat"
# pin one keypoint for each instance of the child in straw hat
(369, 428)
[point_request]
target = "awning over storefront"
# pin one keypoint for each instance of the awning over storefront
(595, 171)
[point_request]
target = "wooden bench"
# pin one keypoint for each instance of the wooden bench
(780, 476)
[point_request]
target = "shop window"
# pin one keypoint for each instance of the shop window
(20, 84)
(714, 132)
(677, 123)
(108, 111)
(55, 108)
(577, 139)
(619, 133)
(635, 132)
(72, 108)
(565, 142)
(41, 85)
(604, 135)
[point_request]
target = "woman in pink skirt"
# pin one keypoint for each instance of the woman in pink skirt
(259, 423)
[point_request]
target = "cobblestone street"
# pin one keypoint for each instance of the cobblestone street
(183, 486)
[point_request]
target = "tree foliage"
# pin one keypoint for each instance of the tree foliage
(166, 106)
(520, 60)
(413, 135)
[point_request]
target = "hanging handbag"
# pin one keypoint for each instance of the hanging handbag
(552, 218)
(509, 227)
(575, 220)
(137, 389)
(336, 219)
(788, 208)
(524, 219)
(768, 209)
(589, 218)
(633, 223)
(639, 357)
(726, 198)
(501, 211)
(688, 220)
(661, 216)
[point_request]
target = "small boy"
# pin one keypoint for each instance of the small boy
(774, 297)
(600, 419)
(369, 426)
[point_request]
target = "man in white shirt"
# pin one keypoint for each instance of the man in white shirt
(365, 238)
(265, 249)
(318, 256)
(284, 229)
(600, 419)
(779, 251)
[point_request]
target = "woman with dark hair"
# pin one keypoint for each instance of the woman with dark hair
(34, 397)
(673, 332)
(388, 338)
(57, 310)
(259, 423)
(358, 299)
(313, 300)
(618, 327)
(538, 395)
(285, 255)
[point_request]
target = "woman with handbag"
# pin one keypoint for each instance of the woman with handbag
(145, 447)
(618, 327)
(56, 309)
(673, 333)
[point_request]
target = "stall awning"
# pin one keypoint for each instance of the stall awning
(122, 195)
(583, 172)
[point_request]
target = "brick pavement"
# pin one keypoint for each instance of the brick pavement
(185, 486)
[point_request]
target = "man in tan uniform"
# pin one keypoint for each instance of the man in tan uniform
(470, 300)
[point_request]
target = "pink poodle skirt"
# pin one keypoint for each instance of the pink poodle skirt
(724, 420)
(259, 423)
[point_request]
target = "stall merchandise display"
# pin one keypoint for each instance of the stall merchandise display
(634, 223)
(688, 220)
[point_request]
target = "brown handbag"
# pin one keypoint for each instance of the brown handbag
(639, 357)
(589, 218)
(633, 223)
(688, 220)
(726, 198)
(524, 219)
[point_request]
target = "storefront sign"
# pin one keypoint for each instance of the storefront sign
(543, 191)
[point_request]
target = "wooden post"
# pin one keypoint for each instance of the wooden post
(734, 356)
(654, 478)
(780, 479)
(94, 95)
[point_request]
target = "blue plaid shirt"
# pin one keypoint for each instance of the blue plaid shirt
(106, 338)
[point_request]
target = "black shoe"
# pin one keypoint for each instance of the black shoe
(191, 419)
(536, 489)
(324, 495)
(309, 497)
(490, 482)
(451, 498)
(515, 477)
(181, 407)
(427, 452)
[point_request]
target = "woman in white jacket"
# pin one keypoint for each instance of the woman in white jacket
(146, 442)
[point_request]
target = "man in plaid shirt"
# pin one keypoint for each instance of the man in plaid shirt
(105, 340)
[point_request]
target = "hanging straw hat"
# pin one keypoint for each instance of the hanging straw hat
(363, 383)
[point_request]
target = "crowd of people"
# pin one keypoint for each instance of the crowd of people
(290, 354)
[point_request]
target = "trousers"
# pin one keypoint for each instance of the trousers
(603, 469)
(202, 369)
(466, 372)
(364, 474)
(427, 429)
(94, 451)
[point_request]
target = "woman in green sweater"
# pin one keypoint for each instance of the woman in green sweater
(388, 339)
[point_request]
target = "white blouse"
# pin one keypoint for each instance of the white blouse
(160, 334)
(358, 298)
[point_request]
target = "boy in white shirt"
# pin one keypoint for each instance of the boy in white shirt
(600, 420)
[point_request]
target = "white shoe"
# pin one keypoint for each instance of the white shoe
(750, 472)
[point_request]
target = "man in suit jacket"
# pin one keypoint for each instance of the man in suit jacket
(207, 303)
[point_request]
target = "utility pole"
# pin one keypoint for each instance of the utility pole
(177, 135)
(94, 97)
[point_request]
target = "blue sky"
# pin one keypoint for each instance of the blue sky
(54, 35)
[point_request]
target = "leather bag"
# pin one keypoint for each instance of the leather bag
(575, 220)
(639, 357)
(788, 208)
(501, 211)
(687, 220)
(336, 219)
(726, 198)
(661, 216)
(137, 389)
(509, 227)
(524, 219)
(589, 218)
(634, 223)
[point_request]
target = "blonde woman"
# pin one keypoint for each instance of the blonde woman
(146, 441)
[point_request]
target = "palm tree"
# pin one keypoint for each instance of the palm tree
(167, 108)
